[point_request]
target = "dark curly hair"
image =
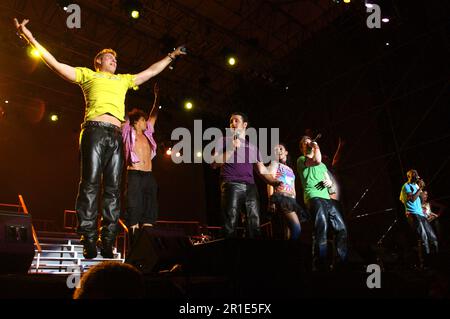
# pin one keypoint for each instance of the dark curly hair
(135, 114)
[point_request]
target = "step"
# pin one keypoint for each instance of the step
(55, 253)
(60, 247)
(58, 240)
(57, 261)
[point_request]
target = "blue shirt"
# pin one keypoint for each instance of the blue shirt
(414, 207)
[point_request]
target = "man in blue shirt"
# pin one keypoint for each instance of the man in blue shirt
(410, 197)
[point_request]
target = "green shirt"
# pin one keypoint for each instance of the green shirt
(104, 92)
(310, 177)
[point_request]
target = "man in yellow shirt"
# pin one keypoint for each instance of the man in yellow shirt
(101, 145)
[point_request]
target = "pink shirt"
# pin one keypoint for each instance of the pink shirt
(129, 139)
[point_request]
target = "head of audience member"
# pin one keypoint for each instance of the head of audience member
(111, 280)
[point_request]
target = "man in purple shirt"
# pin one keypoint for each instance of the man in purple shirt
(237, 158)
(140, 149)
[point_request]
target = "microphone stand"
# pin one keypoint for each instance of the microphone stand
(360, 199)
(375, 213)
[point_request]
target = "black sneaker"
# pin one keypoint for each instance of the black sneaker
(107, 249)
(89, 248)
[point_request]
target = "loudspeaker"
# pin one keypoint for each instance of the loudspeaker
(16, 243)
(155, 249)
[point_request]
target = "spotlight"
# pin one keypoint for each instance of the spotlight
(385, 20)
(133, 8)
(347, 1)
(369, 4)
(169, 151)
(231, 61)
(54, 117)
(135, 14)
(160, 107)
(230, 56)
(6, 101)
(63, 4)
(188, 105)
(178, 154)
(199, 154)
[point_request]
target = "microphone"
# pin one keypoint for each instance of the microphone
(316, 138)
(236, 134)
(172, 64)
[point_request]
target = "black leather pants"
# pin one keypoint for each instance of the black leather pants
(101, 150)
(425, 233)
(236, 197)
(325, 213)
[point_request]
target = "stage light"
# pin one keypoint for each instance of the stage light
(199, 154)
(347, 1)
(169, 151)
(160, 107)
(188, 105)
(387, 44)
(230, 56)
(134, 14)
(133, 8)
(54, 117)
(231, 61)
(385, 20)
(64, 4)
(369, 4)
(178, 154)
(6, 101)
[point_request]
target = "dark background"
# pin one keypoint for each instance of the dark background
(333, 76)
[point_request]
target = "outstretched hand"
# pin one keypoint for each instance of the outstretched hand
(22, 30)
(178, 51)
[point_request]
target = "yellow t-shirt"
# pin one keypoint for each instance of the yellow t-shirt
(104, 92)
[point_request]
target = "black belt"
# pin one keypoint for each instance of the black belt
(100, 124)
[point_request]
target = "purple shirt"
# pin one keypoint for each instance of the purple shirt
(129, 139)
(239, 168)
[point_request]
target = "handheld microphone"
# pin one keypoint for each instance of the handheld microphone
(172, 65)
(316, 138)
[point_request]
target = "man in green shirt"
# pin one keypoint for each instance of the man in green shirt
(315, 182)
(101, 145)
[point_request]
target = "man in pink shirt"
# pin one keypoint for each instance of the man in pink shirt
(140, 149)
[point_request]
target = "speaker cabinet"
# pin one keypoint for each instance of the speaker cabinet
(16, 243)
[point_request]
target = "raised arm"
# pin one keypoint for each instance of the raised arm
(67, 72)
(153, 115)
(157, 67)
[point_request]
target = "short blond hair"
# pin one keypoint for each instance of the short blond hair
(99, 55)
